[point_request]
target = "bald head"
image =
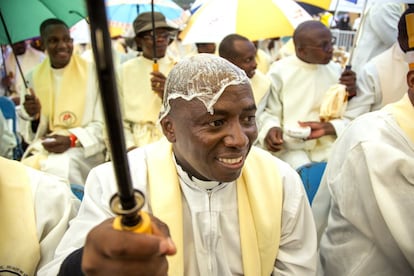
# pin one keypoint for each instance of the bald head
(226, 47)
(313, 42)
(305, 30)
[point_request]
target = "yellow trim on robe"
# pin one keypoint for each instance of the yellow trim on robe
(260, 198)
(403, 112)
(19, 245)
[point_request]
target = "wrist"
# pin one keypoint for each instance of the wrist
(73, 140)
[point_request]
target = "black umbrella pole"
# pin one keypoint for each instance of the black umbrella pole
(127, 202)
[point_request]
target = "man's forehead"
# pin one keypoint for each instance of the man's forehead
(202, 76)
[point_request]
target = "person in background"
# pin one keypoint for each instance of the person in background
(231, 208)
(270, 47)
(8, 140)
(364, 204)
(377, 85)
(35, 210)
(177, 50)
(299, 84)
(378, 32)
(141, 88)
(28, 57)
(63, 107)
(240, 51)
(206, 47)
(356, 23)
(263, 59)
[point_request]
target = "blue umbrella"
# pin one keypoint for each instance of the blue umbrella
(121, 13)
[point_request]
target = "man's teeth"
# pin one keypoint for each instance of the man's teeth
(231, 160)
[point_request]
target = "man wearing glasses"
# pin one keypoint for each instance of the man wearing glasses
(141, 86)
(299, 83)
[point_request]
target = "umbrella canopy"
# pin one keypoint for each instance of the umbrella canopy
(22, 18)
(354, 6)
(255, 19)
(324, 4)
(121, 13)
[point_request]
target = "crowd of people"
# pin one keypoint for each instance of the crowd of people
(215, 135)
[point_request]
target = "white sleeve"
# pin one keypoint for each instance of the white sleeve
(100, 186)
(298, 243)
(270, 113)
(55, 206)
(94, 209)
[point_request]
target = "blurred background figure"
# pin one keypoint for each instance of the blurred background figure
(378, 32)
(240, 51)
(141, 87)
(177, 50)
(7, 138)
(356, 23)
(343, 22)
(206, 47)
(28, 57)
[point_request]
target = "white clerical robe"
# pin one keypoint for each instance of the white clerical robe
(53, 205)
(296, 95)
(27, 62)
(260, 85)
(75, 163)
(207, 251)
(381, 81)
(366, 197)
(8, 140)
(379, 30)
(140, 104)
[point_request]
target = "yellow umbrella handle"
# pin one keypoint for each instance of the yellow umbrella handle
(155, 66)
(144, 226)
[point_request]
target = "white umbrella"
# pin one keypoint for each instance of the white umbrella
(255, 19)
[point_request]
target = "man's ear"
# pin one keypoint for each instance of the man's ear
(168, 129)
(138, 42)
(300, 50)
(410, 80)
(42, 44)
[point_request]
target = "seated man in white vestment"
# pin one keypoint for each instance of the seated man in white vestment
(64, 109)
(142, 85)
(298, 86)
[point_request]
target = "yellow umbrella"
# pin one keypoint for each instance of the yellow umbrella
(324, 4)
(255, 19)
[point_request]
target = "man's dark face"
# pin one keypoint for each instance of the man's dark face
(245, 56)
(58, 44)
(19, 48)
(317, 46)
(162, 40)
(213, 146)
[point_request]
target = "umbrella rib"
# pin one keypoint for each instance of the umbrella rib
(15, 56)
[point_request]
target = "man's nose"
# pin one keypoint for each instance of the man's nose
(236, 136)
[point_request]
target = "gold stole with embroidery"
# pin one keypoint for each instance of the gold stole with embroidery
(66, 107)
